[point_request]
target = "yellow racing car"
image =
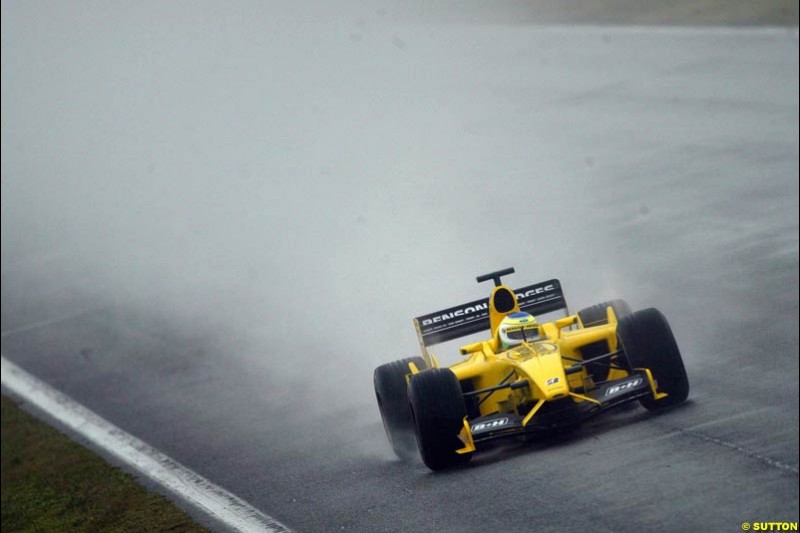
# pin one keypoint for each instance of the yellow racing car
(527, 376)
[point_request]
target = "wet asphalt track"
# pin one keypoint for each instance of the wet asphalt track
(659, 166)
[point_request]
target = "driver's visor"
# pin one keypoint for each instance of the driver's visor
(523, 333)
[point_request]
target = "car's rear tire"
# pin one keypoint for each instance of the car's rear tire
(391, 391)
(597, 315)
(647, 342)
(438, 409)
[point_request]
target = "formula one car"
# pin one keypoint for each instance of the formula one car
(526, 377)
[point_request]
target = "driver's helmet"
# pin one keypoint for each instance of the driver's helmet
(516, 328)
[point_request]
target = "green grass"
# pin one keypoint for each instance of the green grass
(50, 483)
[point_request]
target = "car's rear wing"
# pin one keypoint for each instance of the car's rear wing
(473, 317)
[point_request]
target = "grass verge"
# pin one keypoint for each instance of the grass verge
(51, 483)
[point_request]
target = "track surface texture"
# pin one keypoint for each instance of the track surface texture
(216, 224)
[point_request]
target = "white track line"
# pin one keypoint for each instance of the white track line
(49, 322)
(216, 502)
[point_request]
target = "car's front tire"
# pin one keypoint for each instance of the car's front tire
(647, 341)
(391, 391)
(438, 408)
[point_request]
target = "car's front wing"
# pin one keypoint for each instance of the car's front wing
(564, 413)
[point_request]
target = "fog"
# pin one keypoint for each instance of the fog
(218, 219)
(308, 178)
